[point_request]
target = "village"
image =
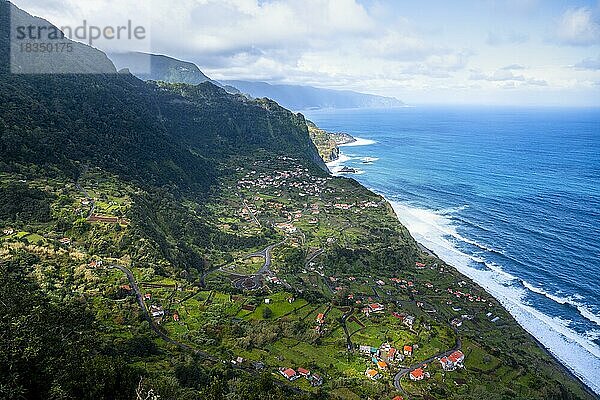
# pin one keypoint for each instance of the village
(309, 322)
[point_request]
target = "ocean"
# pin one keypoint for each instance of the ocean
(509, 196)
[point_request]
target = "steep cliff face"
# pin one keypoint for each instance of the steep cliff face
(159, 68)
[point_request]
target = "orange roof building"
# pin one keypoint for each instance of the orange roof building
(373, 374)
(417, 374)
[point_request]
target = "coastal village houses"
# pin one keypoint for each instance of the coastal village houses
(418, 374)
(453, 361)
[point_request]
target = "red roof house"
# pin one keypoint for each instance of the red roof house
(418, 374)
(288, 373)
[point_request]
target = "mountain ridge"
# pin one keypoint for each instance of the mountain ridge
(184, 187)
(298, 97)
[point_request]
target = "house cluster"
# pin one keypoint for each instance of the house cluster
(273, 279)
(383, 357)
(407, 319)
(373, 308)
(404, 284)
(296, 178)
(453, 361)
(291, 375)
(286, 227)
(471, 297)
(320, 323)
(238, 361)
(492, 318)
(156, 311)
(457, 322)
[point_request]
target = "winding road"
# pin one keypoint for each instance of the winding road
(153, 325)
(402, 373)
(166, 338)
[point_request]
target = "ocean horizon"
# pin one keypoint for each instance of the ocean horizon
(509, 196)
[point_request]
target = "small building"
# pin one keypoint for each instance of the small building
(156, 311)
(391, 356)
(147, 296)
(237, 361)
(289, 374)
(408, 350)
(320, 318)
(372, 374)
(418, 374)
(376, 307)
(382, 365)
(316, 380)
(8, 232)
(304, 372)
(267, 301)
(176, 316)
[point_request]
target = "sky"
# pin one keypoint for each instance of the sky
(496, 52)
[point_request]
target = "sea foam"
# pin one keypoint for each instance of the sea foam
(359, 142)
(578, 352)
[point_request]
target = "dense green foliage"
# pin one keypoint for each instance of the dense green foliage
(49, 347)
(184, 170)
(19, 202)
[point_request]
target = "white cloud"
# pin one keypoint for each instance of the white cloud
(579, 27)
(588, 64)
(503, 39)
(372, 46)
(506, 78)
(513, 67)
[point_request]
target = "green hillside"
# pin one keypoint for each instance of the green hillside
(175, 241)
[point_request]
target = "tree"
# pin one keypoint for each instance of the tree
(267, 313)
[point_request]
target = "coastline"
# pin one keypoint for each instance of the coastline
(334, 167)
(540, 345)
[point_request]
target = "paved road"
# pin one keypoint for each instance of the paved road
(313, 256)
(256, 277)
(405, 371)
(153, 325)
(87, 196)
(344, 318)
(156, 329)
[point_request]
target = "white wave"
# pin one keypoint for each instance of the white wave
(588, 314)
(453, 210)
(445, 225)
(583, 309)
(580, 354)
(369, 159)
(340, 160)
(359, 142)
(336, 165)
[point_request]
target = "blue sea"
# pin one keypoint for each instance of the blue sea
(509, 196)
